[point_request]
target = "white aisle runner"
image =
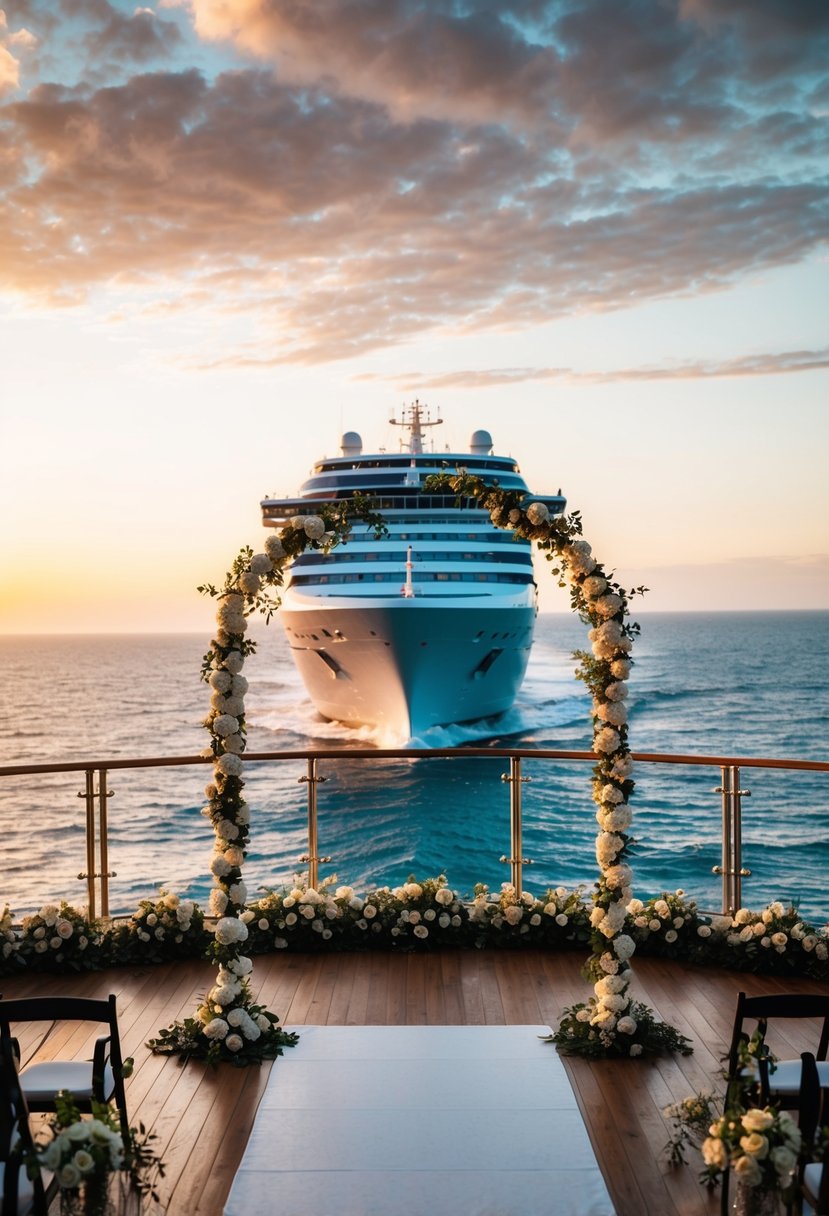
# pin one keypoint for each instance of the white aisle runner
(419, 1121)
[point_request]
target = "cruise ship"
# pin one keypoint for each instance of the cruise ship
(429, 625)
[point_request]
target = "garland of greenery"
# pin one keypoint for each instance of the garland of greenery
(609, 1023)
(228, 1025)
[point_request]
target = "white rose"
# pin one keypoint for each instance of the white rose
(537, 513)
(314, 527)
(220, 681)
(274, 548)
(608, 605)
(234, 1042)
(225, 724)
(606, 740)
(230, 765)
(260, 563)
(249, 582)
(613, 712)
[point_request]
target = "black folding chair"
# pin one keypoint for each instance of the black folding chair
(781, 1083)
(20, 1194)
(812, 1112)
(100, 1079)
(777, 1082)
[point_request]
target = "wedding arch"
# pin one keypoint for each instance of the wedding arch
(228, 1024)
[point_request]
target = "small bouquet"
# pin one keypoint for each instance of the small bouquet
(92, 1162)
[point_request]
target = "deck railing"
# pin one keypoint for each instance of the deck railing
(96, 797)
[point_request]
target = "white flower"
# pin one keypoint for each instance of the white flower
(64, 929)
(274, 548)
(220, 681)
(613, 712)
(249, 582)
(626, 1026)
(537, 513)
(314, 527)
(225, 724)
(444, 896)
(234, 1042)
(218, 900)
(594, 586)
(229, 930)
(624, 946)
(606, 740)
(233, 661)
(608, 605)
(230, 765)
(234, 745)
(617, 691)
(260, 563)
(216, 1029)
(69, 1176)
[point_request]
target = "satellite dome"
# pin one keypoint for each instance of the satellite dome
(351, 444)
(481, 443)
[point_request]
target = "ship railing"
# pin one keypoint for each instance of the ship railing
(96, 795)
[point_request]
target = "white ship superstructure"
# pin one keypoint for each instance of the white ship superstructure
(429, 625)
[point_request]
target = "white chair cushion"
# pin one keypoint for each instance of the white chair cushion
(40, 1082)
(25, 1190)
(786, 1076)
(811, 1186)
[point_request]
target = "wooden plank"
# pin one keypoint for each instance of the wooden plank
(204, 1117)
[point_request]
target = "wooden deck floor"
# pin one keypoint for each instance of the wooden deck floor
(203, 1117)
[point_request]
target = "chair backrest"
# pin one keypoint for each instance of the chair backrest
(809, 1102)
(63, 1008)
(763, 1009)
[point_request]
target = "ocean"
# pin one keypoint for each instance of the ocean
(735, 684)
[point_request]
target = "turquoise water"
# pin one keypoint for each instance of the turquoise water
(735, 684)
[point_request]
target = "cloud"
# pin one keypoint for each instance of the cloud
(765, 364)
(20, 40)
(418, 60)
(389, 168)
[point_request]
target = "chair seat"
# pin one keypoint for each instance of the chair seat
(811, 1186)
(25, 1189)
(40, 1082)
(786, 1076)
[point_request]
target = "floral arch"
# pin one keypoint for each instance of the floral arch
(228, 1024)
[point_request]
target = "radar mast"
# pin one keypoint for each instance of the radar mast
(415, 417)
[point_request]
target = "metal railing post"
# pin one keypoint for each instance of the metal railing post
(103, 830)
(731, 868)
(516, 859)
(312, 856)
(89, 797)
(91, 873)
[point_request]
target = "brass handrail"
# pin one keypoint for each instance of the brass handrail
(731, 869)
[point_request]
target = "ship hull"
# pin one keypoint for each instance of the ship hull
(405, 665)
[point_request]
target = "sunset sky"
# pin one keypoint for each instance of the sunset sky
(232, 229)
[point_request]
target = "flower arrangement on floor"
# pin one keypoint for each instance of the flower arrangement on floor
(92, 1163)
(60, 938)
(758, 1143)
(772, 941)
(159, 931)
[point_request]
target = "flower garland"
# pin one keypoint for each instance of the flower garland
(228, 1024)
(608, 1024)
